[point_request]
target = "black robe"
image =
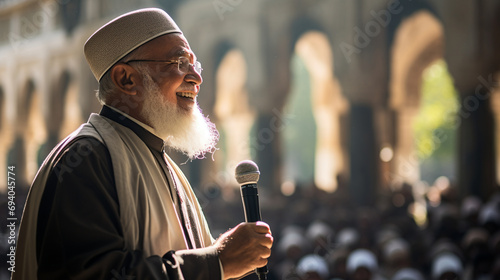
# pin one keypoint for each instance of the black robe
(79, 234)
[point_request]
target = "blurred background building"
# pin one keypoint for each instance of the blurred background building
(351, 98)
(371, 93)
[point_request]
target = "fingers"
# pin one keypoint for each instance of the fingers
(267, 240)
(262, 240)
(262, 234)
(264, 230)
(262, 262)
(245, 247)
(262, 227)
(265, 252)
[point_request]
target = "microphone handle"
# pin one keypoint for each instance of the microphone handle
(250, 197)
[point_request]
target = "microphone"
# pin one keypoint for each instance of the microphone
(247, 174)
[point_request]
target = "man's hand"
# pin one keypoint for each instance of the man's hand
(244, 248)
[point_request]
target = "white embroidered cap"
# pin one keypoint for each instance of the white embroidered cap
(122, 35)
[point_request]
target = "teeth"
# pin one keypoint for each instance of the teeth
(186, 94)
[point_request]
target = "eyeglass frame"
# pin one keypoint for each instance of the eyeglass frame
(196, 65)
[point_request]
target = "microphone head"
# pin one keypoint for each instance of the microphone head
(247, 172)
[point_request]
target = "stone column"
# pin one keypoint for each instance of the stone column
(267, 145)
(233, 113)
(6, 132)
(476, 152)
(406, 166)
(17, 157)
(53, 115)
(363, 155)
(495, 106)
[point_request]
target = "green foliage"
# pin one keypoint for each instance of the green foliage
(433, 127)
(300, 133)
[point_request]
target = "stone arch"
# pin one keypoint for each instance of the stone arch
(233, 112)
(418, 42)
(328, 105)
(495, 107)
(72, 113)
(62, 110)
(30, 132)
(7, 127)
(57, 97)
(3, 140)
(304, 25)
(2, 108)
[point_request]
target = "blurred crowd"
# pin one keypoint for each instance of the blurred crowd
(322, 236)
(326, 236)
(459, 240)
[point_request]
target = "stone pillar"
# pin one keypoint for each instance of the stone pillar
(329, 161)
(17, 157)
(53, 115)
(86, 88)
(495, 106)
(328, 106)
(385, 127)
(406, 167)
(476, 152)
(363, 154)
(234, 114)
(267, 146)
(6, 132)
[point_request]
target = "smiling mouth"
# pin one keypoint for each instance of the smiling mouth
(188, 95)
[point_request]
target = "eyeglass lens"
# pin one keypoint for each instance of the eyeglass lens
(184, 64)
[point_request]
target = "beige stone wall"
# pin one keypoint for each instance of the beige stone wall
(379, 50)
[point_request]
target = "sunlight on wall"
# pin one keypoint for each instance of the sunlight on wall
(495, 107)
(418, 43)
(5, 140)
(72, 112)
(35, 136)
(313, 145)
(233, 111)
(328, 104)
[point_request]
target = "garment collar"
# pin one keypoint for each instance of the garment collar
(145, 126)
(147, 136)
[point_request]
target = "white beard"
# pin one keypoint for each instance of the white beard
(188, 132)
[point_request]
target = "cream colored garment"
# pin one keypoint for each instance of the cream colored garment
(26, 263)
(148, 217)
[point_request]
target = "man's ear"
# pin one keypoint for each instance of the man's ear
(125, 78)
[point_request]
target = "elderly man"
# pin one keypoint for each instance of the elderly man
(108, 202)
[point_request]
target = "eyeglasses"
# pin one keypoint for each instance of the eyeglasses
(182, 63)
